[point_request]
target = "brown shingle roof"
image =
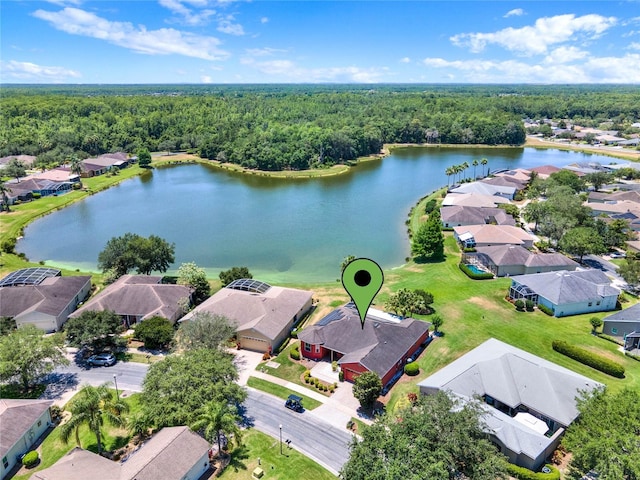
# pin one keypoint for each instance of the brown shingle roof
(475, 215)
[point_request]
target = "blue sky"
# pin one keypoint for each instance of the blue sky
(213, 41)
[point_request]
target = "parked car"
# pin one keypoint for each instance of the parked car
(294, 402)
(102, 360)
(618, 255)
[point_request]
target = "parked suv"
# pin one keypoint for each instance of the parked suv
(102, 360)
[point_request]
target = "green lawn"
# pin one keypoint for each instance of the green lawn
(290, 466)
(53, 448)
(282, 392)
(288, 370)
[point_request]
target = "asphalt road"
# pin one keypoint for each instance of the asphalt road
(313, 437)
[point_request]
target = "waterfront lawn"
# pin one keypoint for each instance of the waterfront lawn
(53, 448)
(476, 310)
(291, 466)
(282, 392)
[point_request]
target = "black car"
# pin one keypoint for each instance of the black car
(294, 402)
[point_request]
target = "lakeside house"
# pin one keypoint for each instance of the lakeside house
(473, 200)
(509, 260)
(458, 215)
(136, 298)
(23, 422)
(95, 166)
(41, 297)
(383, 345)
(264, 314)
(566, 292)
(172, 453)
(488, 235)
(481, 188)
(528, 401)
(544, 171)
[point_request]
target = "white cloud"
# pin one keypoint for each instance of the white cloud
(31, 72)
(227, 25)
(515, 12)
(405, 60)
(206, 79)
(264, 52)
(634, 46)
(537, 39)
(295, 73)
(593, 70)
(565, 55)
(264, 20)
(187, 15)
(64, 3)
(164, 41)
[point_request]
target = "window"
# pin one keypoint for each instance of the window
(317, 348)
(5, 462)
(614, 330)
(598, 302)
(39, 422)
(307, 347)
(590, 303)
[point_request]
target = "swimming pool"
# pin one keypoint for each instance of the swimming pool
(475, 269)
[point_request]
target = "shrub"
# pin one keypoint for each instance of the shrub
(528, 304)
(334, 366)
(156, 332)
(294, 333)
(36, 195)
(56, 413)
(31, 459)
(610, 339)
(545, 309)
(332, 388)
(589, 358)
(430, 206)
(295, 353)
(412, 369)
(522, 473)
(341, 376)
(8, 245)
(519, 305)
(473, 275)
(307, 379)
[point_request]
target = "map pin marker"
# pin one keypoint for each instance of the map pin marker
(362, 278)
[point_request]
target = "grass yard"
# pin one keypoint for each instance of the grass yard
(288, 370)
(282, 392)
(53, 448)
(291, 466)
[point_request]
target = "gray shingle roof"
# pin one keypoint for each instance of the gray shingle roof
(16, 417)
(484, 189)
(378, 346)
(475, 215)
(630, 315)
(503, 255)
(513, 377)
(564, 287)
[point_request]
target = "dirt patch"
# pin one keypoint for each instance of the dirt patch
(484, 303)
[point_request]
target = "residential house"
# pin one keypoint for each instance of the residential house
(614, 197)
(488, 235)
(46, 302)
(383, 345)
(529, 402)
(174, 453)
(23, 422)
(139, 297)
(263, 314)
(624, 325)
(92, 167)
(473, 200)
(509, 260)
(502, 180)
(544, 171)
(623, 209)
(565, 292)
(458, 215)
(481, 188)
(27, 160)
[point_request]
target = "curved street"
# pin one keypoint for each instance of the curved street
(310, 435)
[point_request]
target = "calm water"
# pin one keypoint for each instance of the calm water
(283, 230)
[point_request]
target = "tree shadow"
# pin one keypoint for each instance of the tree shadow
(238, 458)
(426, 261)
(246, 421)
(59, 383)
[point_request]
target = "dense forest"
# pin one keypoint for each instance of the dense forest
(275, 127)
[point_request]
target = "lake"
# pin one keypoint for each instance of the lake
(284, 230)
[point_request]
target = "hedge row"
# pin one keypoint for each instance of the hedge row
(473, 275)
(522, 473)
(610, 339)
(295, 352)
(589, 358)
(545, 309)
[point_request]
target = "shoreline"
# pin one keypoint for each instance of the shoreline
(10, 231)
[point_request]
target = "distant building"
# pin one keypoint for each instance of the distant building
(624, 325)
(509, 260)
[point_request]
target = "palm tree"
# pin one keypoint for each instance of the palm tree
(4, 191)
(448, 171)
(464, 166)
(138, 424)
(216, 419)
(475, 163)
(457, 169)
(76, 166)
(91, 406)
(484, 162)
